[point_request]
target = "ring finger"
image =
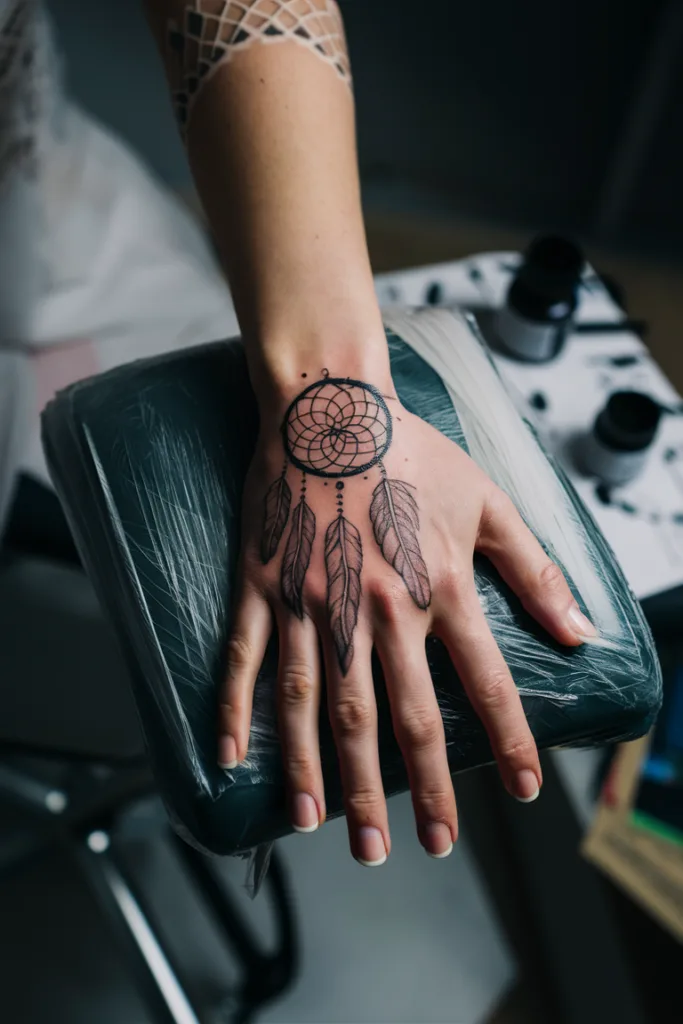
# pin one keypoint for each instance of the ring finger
(418, 728)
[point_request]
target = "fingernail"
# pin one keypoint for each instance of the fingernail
(371, 850)
(581, 625)
(227, 753)
(437, 840)
(526, 786)
(304, 813)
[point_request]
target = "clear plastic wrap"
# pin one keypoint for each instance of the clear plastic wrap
(149, 461)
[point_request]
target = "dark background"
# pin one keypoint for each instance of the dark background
(526, 113)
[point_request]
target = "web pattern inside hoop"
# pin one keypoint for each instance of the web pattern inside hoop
(337, 428)
(214, 30)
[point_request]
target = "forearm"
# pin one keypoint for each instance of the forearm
(271, 140)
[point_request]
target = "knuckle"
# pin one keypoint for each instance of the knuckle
(296, 685)
(436, 803)
(239, 654)
(389, 603)
(419, 727)
(499, 510)
(493, 693)
(228, 713)
(551, 578)
(252, 564)
(353, 716)
(520, 750)
(315, 598)
(499, 503)
(300, 766)
(362, 804)
(455, 582)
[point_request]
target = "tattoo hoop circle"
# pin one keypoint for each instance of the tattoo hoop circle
(337, 427)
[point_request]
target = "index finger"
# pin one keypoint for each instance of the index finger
(489, 685)
(538, 582)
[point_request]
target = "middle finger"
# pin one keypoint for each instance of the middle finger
(353, 715)
(298, 708)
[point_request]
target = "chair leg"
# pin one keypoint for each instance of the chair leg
(165, 997)
(23, 788)
(268, 975)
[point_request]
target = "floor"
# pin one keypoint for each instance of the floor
(414, 942)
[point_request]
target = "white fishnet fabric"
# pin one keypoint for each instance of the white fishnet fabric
(28, 88)
(212, 31)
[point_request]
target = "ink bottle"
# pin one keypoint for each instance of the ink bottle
(618, 446)
(541, 302)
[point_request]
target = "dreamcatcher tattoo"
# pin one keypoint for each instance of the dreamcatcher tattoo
(337, 429)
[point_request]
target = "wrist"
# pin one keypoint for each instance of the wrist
(281, 368)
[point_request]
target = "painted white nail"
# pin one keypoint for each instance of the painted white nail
(528, 799)
(526, 786)
(436, 839)
(582, 625)
(371, 843)
(373, 863)
(227, 753)
(440, 856)
(599, 641)
(304, 813)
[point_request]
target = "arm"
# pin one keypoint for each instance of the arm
(271, 140)
(361, 519)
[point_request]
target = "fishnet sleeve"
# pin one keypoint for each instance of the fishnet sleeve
(29, 84)
(210, 32)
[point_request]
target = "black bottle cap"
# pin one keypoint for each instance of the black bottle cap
(629, 422)
(552, 263)
(546, 285)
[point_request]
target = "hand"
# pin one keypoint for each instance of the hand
(379, 555)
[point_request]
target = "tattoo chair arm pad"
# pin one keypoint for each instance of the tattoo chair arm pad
(149, 461)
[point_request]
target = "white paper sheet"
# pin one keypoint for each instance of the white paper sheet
(643, 520)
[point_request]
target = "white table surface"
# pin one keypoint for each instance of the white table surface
(644, 520)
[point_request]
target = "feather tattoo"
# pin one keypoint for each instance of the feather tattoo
(396, 523)
(297, 557)
(337, 429)
(277, 502)
(344, 561)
